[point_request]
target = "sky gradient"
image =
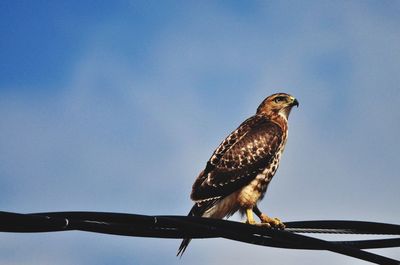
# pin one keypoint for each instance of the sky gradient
(117, 107)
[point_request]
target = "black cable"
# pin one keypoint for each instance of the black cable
(197, 227)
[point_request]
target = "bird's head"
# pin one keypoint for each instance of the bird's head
(277, 104)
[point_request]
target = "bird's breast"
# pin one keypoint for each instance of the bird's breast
(250, 194)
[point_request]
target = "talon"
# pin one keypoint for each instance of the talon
(273, 222)
(266, 225)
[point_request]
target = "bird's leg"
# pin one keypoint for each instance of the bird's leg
(273, 222)
(250, 217)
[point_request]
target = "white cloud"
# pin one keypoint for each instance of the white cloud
(119, 139)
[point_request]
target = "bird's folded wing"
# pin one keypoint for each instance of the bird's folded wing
(243, 155)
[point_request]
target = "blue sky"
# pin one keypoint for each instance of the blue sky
(117, 107)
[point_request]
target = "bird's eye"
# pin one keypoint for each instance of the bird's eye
(279, 99)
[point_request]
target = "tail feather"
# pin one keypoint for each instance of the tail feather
(197, 210)
(183, 246)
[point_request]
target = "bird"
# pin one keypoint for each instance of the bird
(237, 175)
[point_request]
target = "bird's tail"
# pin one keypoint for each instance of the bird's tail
(183, 246)
(197, 210)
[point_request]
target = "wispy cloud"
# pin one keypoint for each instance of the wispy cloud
(122, 132)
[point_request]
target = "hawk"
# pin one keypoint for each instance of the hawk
(239, 171)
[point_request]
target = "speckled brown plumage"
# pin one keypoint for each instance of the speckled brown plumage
(233, 166)
(237, 175)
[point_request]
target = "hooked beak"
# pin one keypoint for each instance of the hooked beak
(294, 102)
